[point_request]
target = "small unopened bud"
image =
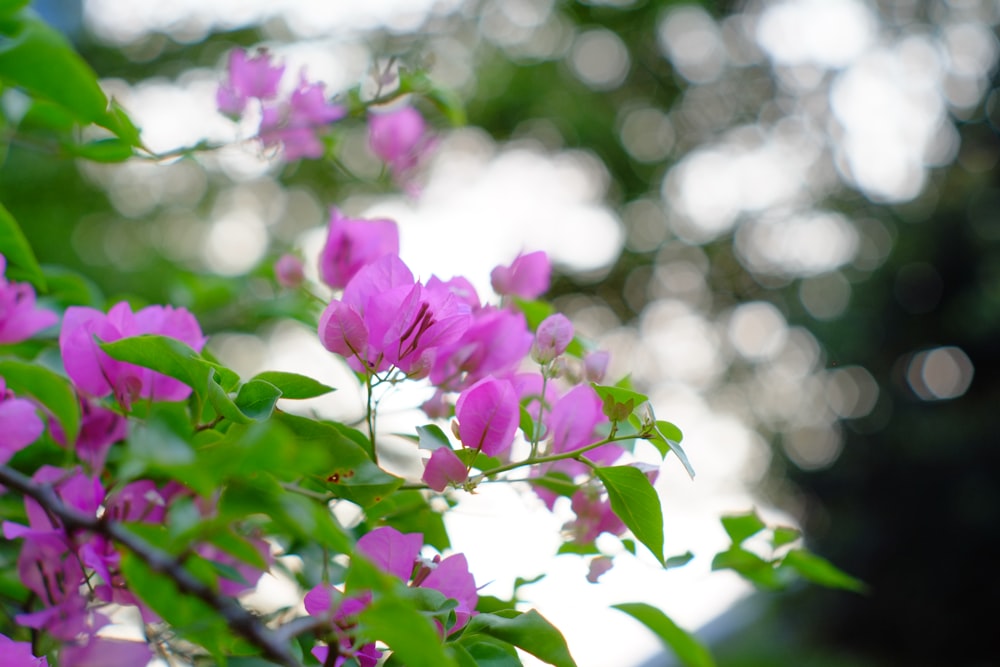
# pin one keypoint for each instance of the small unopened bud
(552, 338)
(288, 271)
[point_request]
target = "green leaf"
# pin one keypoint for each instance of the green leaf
(354, 476)
(667, 438)
(189, 616)
(748, 565)
(636, 503)
(11, 6)
(21, 262)
(685, 646)
(489, 652)
(110, 149)
(257, 398)
(821, 571)
(557, 482)
(784, 535)
(37, 58)
(529, 631)
(619, 403)
(588, 549)
(52, 390)
(741, 526)
(164, 355)
(411, 635)
(293, 385)
(431, 437)
(679, 560)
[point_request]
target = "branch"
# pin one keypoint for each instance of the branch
(239, 619)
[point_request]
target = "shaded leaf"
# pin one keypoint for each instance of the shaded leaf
(821, 571)
(21, 262)
(684, 645)
(529, 631)
(51, 390)
(257, 398)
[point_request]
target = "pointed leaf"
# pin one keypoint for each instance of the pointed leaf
(636, 503)
(51, 390)
(293, 385)
(741, 526)
(667, 438)
(256, 399)
(21, 262)
(685, 646)
(821, 571)
(529, 631)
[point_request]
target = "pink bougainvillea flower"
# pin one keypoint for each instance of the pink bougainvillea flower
(444, 468)
(593, 517)
(19, 318)
(495, 343)
(386, 319)
(400, 139)
(18, 654)
(553, 336)
(527, 277)
(99, 429)
(488, 415)
(295, 125)
(353, 244)
(595, 365)
(288, 271)
(20, 424)
(398, 553)
(97, 374)
(92, 650)
(247, 78)
(326, 601)
(573, 420)
(598, 566)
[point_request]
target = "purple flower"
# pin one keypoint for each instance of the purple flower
(18, 654)
(527, 277)
(593, 517)
(552, 338)
(288, 271)
(495, 342)
(99, 429)
(488, 415)
(97, 374)
(387, 319)
(398, 554)
(19, 318)
(595, 365)
(444, 468)
(294, 124)
(248, 77)
(352, 244)
(20, 424)
(399, 138)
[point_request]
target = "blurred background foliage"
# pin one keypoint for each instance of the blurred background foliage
(808, 202)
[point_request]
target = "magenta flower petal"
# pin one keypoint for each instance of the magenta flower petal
(452, 578)
(444, 468)
(399, 138)
(574, 418)
(20, 425)
(96, 651)
(595, 365)
(342, 331)
(527, 277)
(288, 271)
(353, 244)
(488, 414)
(392, 551)
(18, 654)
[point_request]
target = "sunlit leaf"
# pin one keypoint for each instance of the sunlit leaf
(293, 385)
(741, 526)
(636, 503)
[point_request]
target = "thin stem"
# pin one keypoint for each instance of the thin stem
(541, 411)
(575, 454)
(370, 417)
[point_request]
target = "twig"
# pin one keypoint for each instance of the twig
(239, 619)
